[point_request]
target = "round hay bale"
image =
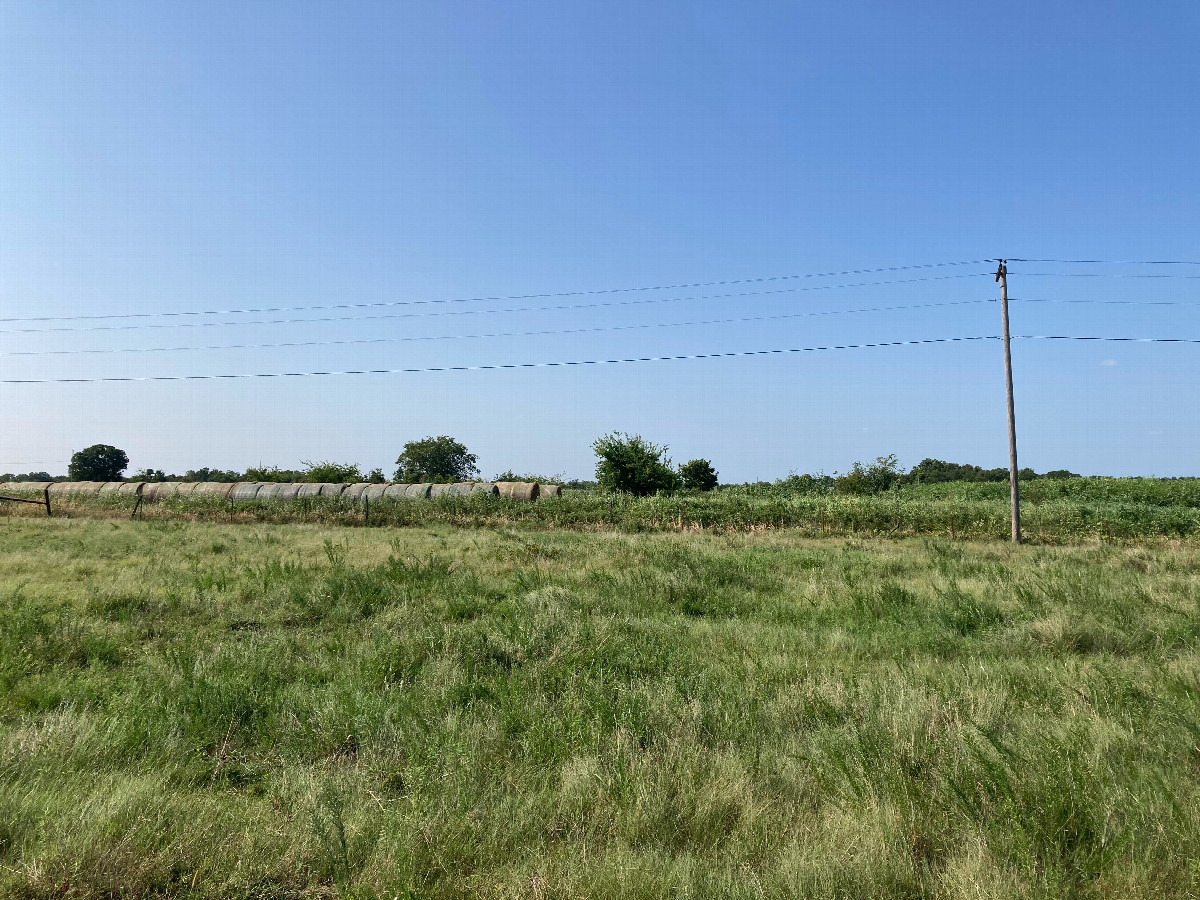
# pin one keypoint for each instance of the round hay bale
(417, 491)
(130, 488)
(159, 490)
(396, 491)
(526, 491)
(354, 492)
(485, 487)
(31, 487)
(308, 489)
(269, 491)
(334, 490)
(76, 488)
(549, 490)
(246, 490)
(60, 488)
(220, 489)
(183, 488)
(375, 491)
(110, 487)
(442, 490)
(288, 491)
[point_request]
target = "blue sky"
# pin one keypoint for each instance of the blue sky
(161, 158)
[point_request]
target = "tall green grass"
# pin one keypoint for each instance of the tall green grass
(205, 710)
(1053, 510)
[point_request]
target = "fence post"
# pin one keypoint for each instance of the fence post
(46, 491)
(137, 505)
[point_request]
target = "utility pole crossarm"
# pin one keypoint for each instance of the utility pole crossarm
(1014, 488)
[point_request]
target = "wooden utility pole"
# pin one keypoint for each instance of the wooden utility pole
(1013, 486)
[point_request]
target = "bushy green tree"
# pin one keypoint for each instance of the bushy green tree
(631, 464)
(439, 459)
(934, 471)
(152, 475)
(879, 476)
(207, 474)
(99, 462)
(272, 474)
(698, 475)
(326, 472)
(510, 475)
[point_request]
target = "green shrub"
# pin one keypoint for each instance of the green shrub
(207, 474)
(879, 476)
(99, 462)
(510, 475)
(698, 475)
(271, 473)
(633, 465)
(438, 459)
(326, 472)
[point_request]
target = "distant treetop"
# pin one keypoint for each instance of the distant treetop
(99, 462)
(436, 459)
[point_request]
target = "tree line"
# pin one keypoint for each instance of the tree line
(625, 463)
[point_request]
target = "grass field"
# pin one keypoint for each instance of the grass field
(1053, 510)
(268, 710)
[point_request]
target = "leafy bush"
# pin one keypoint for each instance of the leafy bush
(698, 475)
(207, 474)
(152, 475)
(438, 459)
(271, 473)
(801, 485)
(937, 471)
(875, 478)
(633, 465)
(327, 472)
(99, 462)
(510, 475)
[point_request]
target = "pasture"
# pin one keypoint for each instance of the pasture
(1053, 510)
(194, 708)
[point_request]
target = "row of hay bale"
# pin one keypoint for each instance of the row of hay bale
(152, 491)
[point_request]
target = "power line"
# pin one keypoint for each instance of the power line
(1115, 262)
(500, 334)
(476, 312)
(1104, 275)
(1109, 302)
(481, 368)
(591, 362)
(656, 287)
(1127, 340)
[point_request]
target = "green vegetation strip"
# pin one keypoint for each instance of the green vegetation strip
(1054, 510)
(193, 709)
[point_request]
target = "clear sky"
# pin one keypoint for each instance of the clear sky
(165, 158)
